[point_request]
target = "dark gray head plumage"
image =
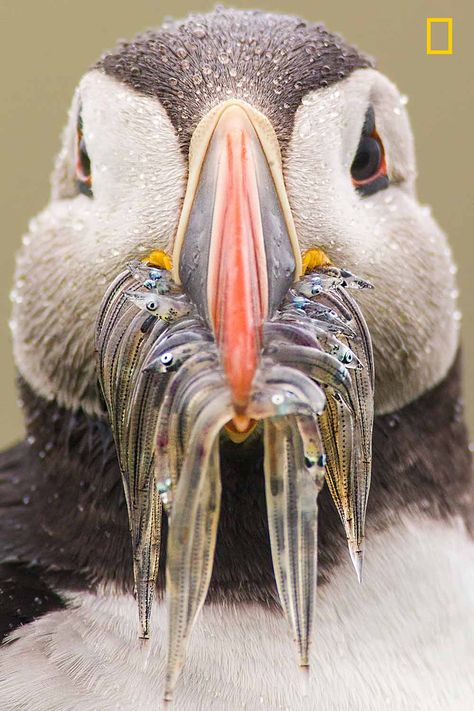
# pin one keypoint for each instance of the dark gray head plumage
(270, 61)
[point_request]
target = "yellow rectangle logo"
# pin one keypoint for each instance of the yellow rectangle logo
(439, 20)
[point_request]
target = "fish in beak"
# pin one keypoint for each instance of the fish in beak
(236, 252)
(226, 332)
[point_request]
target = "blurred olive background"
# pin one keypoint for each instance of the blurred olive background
(46, 46)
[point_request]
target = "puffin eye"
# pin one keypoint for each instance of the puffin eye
(83, 162)
(369, 168)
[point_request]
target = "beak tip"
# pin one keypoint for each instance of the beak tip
(241, 421)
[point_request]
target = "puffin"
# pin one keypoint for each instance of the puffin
(154, 172)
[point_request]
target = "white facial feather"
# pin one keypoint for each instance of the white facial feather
(387, 238)
(77, 245)
(400, 641)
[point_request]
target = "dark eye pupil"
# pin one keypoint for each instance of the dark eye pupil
(83, 162)
(84, 158)
(367, 160)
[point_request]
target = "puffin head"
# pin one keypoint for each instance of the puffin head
(137, 174)
(234, 151)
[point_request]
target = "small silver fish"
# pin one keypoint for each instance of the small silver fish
(163, 307)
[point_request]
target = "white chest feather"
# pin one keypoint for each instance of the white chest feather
(401, 641)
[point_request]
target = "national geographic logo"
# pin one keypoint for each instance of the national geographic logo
(439, 32)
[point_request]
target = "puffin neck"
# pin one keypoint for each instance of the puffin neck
(66, 504)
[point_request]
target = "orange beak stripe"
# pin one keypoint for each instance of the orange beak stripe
(237, 284)
(235, 251)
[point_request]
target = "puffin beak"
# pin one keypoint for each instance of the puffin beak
(236, 253)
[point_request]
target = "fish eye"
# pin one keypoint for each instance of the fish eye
(347, 357)
(152, 305)
(83, 162)
(369, 167)
(299, 302)
(167, 358)
(278, 399)
(322, 460)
